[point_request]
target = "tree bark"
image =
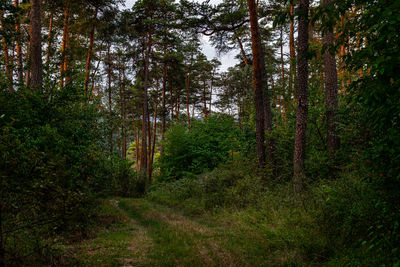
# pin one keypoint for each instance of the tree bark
(137, 136)
(64, 45)
(28, 70)
(123, 115)
(143, 163)
(36, 45)
(242, 51)
(341, 55)
(262, 99)
(94, 75)
(5, 53)
(292, 53)
(282, 100)
(19, 50)
(154, 141)
(330, 87)
(109, 94)
(187, 99)
(118, 143)
(171, 100)
(177, 107)
(49, 41)
(164, 111)
(149, 147)
(211, 89)
(89, 55)
(204, 100)
(302, 94)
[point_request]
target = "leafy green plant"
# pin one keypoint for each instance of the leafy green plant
(207, 144)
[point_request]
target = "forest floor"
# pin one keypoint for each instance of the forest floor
(138, 232)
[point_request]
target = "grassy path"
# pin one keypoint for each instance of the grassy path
(138, 232)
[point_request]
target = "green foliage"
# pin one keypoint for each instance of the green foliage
(207, 144)
(351, 213)
(52, 168)
(374, 105)
(230, 185)
(376, 96)
(340, 222)
(124, 181)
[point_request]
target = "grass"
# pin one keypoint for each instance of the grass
(219, 221)
(140, 232)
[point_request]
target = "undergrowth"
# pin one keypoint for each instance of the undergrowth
(334, 223)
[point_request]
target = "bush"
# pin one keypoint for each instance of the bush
(52, 169)
(124, 180)
(352, 213)
(207, 144)
(226, 186)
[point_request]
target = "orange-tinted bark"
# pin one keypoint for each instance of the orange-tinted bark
(5, 53)
(19, 49)
(262, 100)
(65, 39)
(89, 55)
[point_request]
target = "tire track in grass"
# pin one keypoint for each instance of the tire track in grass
(122, 242)
(177, 240)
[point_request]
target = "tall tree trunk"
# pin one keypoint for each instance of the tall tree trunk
(341, 55)
(282, 61)
(149, 147)
(89, 55)
(109, 94)
(330, 86)
(36, 45)
(172, 100)
(118, 143)
(292, 52)
(187, 98)
(28, 70)
(5, 53)
(64, 47)
(143, 163)
(282, 100)
(164, 111)
(123, 115)
(205, 101)
(154, 141)
(137, 162)
(19, 49)
(263, 109)
(211, 89)
(240, 113)
(177, 107)
(49, 41)
(302, 94)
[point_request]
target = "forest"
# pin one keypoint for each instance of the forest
(126, 142)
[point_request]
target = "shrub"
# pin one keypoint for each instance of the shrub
(225, 186)
(207, 144)
(52, 168)
(353, 214)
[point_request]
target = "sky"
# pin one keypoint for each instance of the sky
(227, 60)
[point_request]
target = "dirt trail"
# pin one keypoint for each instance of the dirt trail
(148, 234)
